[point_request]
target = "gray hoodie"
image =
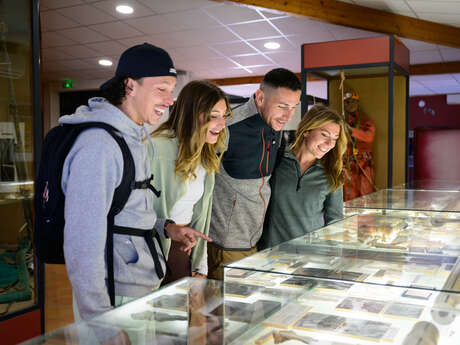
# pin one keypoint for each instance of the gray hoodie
(92, 171)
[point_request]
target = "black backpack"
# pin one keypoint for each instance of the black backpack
(49, 199)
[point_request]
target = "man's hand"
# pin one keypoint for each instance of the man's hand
(184, 235)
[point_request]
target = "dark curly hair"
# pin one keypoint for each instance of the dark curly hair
(115, 90)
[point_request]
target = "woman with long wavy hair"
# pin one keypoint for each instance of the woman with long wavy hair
(308, 179)
(188, 150)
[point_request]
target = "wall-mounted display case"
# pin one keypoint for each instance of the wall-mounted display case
(408, 202)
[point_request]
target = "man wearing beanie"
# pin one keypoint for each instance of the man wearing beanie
(140, 92)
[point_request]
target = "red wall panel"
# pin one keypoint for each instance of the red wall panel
(20, 328)
(445, 115)
(436, 154)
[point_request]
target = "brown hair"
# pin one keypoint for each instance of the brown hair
(196, 99)
(318, 116)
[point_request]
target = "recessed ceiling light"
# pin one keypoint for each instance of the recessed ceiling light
(272, 45)
(105, 62)
(125, 9)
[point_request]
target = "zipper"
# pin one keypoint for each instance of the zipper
(302, 175)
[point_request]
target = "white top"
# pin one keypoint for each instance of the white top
(182, 210)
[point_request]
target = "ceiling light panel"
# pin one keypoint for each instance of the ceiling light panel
(105, 62)
(272, 45)
(124, 9)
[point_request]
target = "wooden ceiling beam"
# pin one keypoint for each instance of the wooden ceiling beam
(257, 79)
(435, 68)
(238, 80)
(419, 69)
(360, 17)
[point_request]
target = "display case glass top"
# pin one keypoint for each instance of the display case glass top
(408, 199)
(189, 311)
(332, 312)
(430, 185)
(381, 250)
(391, 233)
(253, 308)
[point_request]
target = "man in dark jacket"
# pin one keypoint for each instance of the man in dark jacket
(242, 191)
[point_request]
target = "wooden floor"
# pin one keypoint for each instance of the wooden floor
(58, 298)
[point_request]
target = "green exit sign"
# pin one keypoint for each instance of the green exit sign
(67, 83)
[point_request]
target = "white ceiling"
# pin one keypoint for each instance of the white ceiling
(216, 40)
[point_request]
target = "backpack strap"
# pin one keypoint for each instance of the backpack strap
(148, 235)
(121, 196)
(146, 184)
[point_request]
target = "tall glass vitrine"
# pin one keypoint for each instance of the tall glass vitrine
(20, 137)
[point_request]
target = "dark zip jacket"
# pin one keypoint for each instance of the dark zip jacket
(242, 191)
(301, 202)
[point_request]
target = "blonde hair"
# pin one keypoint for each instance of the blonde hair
(196, 99)
(318, 116)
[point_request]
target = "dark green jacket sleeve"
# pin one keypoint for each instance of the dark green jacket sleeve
(333, 207)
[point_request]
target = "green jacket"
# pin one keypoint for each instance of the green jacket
(172, 189)
(300, 203)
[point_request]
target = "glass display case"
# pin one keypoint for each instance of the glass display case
(17, 283)
(378, 73)
(390, 233)
(332, 312)
(189, 311)
(380, 250)
(409, 202)
(430, 185)
(256, 308)
(20, 140)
